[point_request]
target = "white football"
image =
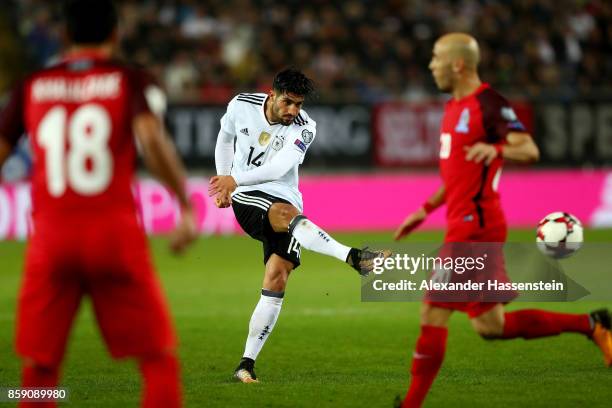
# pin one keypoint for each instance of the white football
(559, 235)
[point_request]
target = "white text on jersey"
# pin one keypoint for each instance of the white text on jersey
(105, 86)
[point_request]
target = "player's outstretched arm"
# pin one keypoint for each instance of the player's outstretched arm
(273, 170)
(519, 147)
(162, 160)
(416, 218)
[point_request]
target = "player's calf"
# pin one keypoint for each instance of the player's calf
(277, 273)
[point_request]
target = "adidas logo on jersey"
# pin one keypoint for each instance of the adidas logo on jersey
(245, 131)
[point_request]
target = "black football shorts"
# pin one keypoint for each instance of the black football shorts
(251, 211)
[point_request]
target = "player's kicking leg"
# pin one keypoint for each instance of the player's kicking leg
(532, 324)
(285, 217)
(264, 316)
(282, 236)
(498, 324)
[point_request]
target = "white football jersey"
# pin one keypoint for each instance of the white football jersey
(258, 141)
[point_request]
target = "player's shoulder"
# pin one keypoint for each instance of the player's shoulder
(490, 96)
(247, 103)
(53, 69)
(249, 100)
(303, 120)
(497, 109)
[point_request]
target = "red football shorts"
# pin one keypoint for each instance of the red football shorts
(472, 232)
(106, 258)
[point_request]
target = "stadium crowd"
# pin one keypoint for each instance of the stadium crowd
(356, 50)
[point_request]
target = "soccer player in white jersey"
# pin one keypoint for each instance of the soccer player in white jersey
(260, 181)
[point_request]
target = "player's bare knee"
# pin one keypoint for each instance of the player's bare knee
(434, 316)
(490, 324)
(276, 280)
(424, 314)
(488, 331)
(280, 215)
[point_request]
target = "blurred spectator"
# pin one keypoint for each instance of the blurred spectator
(198, 24)
(356, 50)
(180, 76)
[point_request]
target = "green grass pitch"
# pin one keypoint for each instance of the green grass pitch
(328, 348)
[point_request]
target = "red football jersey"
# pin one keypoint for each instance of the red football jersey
(78, 115)
(471, 188)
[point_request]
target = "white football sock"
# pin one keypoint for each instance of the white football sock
(262, 321)
(315, 239)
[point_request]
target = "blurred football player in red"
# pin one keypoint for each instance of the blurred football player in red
(479, 131)
(81, 116)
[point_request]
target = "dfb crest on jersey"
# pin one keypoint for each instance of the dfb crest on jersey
(277, 144)
(463, 126)
(264, 138)
(307, 136)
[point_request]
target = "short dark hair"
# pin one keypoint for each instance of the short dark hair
(89, 21)
(294, 81)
